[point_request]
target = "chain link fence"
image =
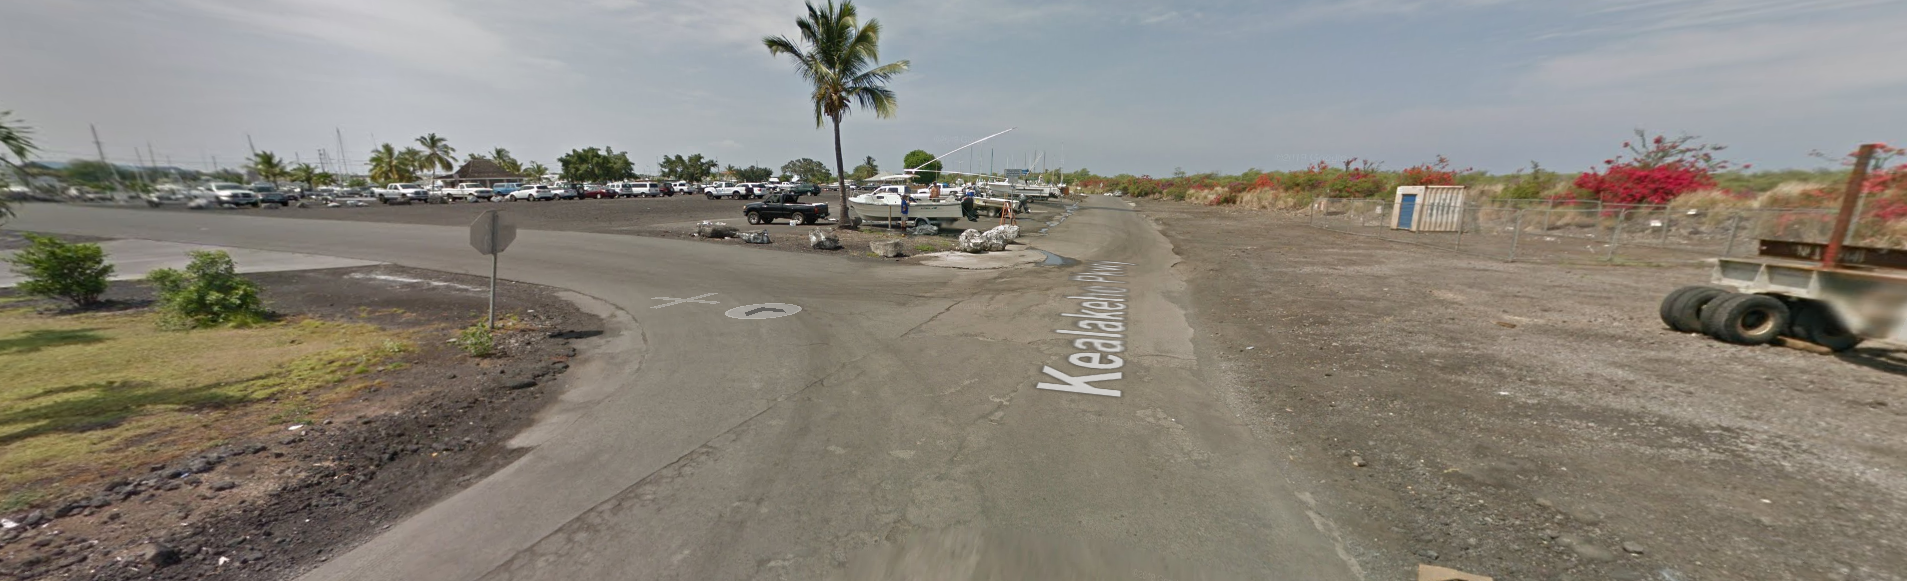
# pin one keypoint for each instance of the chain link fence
(1551, 231)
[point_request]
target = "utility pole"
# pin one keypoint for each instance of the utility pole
(101, 148)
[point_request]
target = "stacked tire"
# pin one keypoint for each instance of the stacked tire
(1753, 319)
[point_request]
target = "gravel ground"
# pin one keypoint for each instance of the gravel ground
(274, 505)
(1534, 421)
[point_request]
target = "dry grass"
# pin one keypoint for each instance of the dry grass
(93, 393)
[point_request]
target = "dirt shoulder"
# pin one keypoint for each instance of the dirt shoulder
(289, 492)
(1532, 421)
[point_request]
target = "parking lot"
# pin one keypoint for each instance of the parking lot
(667, 217)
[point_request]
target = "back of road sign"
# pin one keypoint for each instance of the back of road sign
(492, 232)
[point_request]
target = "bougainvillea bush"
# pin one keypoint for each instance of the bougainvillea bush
(1657, 170)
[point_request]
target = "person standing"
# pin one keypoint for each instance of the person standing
(966, 206)
(906, 201)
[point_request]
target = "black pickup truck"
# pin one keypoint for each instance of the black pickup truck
(781, 207)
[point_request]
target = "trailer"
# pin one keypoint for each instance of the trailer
(1832, 295)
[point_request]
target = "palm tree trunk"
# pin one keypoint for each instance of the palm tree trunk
(840, 172)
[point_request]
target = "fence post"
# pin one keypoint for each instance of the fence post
(1666, 216)
(1616, 235)
(1733, 225)
(1516, 234)
(1546, 211)
(1311, 213)
(1462, 216)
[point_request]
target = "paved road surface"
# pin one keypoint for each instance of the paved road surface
(891, 429)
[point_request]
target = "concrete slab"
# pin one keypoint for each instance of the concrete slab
(132, 259)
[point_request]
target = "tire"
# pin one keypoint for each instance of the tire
(808, 218)
(918, 222)
(754, 218)
(1684, 314)
(1814, 322)
(1667, 310)
(711, 195)
(1745, 319)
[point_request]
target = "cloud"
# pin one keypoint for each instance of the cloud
(1755, 63)
(428, 35)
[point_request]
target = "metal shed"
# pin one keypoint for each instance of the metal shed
(1428, 208)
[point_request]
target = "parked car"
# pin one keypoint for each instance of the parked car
(269, 194)
(402, 193)
(805, 189)
(717, 190)
(533, 193)
(600, 191)
(781, 207)
(505, 189)
(234, 194)
(643, 189)
(472, 191)
(681, 188)
(566, 193)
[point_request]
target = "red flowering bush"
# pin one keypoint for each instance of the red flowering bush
(1362, 181)
(1431, 174)
(1658, 170)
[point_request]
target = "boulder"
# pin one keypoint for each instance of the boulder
(198, 204)
(333, 205)
(886, 248)
(926, 229)
(824, 239)
(1007, 232)
(971, 241)
(714, 230)
(755, 237)
(302, 204)
(157, 555)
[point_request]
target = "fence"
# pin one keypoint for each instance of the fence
(1549, 231)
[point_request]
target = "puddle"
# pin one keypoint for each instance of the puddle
(1055, 259)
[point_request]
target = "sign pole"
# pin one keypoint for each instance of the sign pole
(493, 292)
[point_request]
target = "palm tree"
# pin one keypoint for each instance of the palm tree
(267, 165)
(534, 171)
(838, 54)
(438, 154)
(503, 159)
(305, 174)
(412, 160)
(385, 166)
(16, 139)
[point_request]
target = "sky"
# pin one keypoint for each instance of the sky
(1109, 85)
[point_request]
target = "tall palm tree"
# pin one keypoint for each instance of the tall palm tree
(438, 154)
(267, 165)
(16, 140)
(534, 170)
(385, 166)
(503, 159)
(837, 54)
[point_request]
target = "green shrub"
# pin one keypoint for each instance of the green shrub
(55, 269)
(209, 293)
(1532, 185)
(477, 340)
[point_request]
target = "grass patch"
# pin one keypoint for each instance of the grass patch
(90, 394)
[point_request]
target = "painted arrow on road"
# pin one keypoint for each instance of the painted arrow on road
(762, 311)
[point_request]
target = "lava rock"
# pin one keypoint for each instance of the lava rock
(756, 237)
(715, 230)
(824, 239)
(223, 485)
(1633, 547)
(886, 248)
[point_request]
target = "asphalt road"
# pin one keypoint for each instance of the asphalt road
(890, 429)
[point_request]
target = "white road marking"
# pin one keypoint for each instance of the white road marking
(693, 299)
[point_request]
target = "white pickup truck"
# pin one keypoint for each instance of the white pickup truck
(729, 190)
(402, 193)
(471, 191)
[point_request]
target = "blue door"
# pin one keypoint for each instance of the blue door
(1406, 210)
